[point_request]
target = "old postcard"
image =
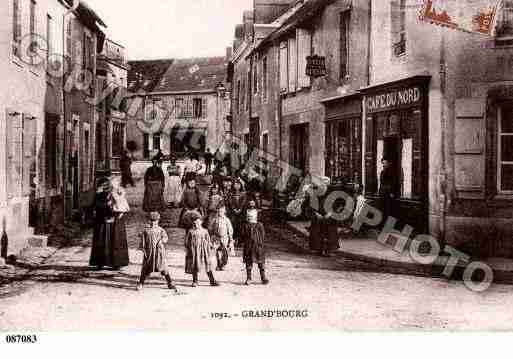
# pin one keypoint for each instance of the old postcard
(255, 166)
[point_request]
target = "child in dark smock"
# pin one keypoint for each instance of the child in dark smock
(253, 237)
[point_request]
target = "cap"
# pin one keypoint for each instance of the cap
(154, 216)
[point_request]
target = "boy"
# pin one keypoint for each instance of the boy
(221, 232)
(253, 237)
(153, 240)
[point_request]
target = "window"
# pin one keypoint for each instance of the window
(69, 42)
(344, 45)
(146, 145)
(16, 29)
(505, 150)
(304, 44)
(198, 108)
(264, 78)
(284, 78)
(292, 65)
(504, 27)
(179, 107)
(86, 164)
(248, 91)
(32, 19)
(398, 27)
(51, 150)
(238, 98)
(255, 75)
(118, 138)
(156, 141)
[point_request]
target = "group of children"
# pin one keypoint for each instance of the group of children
(214, 228)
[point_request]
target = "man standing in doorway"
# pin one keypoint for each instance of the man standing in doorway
(389, 189)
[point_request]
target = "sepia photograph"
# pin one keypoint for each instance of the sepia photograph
(255, 166)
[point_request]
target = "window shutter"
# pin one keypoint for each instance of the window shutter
(29, 155)
(204, 108)
(292, 65)
(284, 67)
(304, 50)
(10, 153)
(59, 150)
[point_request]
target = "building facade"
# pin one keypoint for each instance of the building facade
(37, 65)
(184, 105)
(438, 106)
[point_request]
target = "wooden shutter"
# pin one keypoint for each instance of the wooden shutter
(284, 74)
(29, 153)
(204, 107)
(9, 153)
(292, 65)
(304, 41)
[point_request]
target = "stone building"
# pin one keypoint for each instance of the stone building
(32, 125)
(183, 105)
(111, 123)
(439, 105)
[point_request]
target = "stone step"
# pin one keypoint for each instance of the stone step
(38, 241)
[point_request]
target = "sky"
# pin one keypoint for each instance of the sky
(154, 29)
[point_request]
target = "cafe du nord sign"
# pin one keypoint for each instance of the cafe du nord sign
(394, 98)
(316, 66)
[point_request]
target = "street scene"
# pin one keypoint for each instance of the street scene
(311, 165)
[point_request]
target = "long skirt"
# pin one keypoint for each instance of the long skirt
(323, 235)
(173, 191)
(110, 246)
(199, 257)
(153, 197)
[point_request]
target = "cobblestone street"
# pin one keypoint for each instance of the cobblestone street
(63, 293)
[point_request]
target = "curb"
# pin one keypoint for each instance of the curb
(405, 268)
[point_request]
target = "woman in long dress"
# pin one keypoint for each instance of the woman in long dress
(120, 208)
(237, 203)
(173, 190)
(154, 184)
(109, 247)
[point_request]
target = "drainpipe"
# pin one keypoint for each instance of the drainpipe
(70, 10)
(443, 160)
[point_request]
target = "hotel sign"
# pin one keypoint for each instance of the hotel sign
(394, 98)
(316, 66)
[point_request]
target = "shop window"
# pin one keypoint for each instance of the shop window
(504, 28)
(505, 150)
(398, 27)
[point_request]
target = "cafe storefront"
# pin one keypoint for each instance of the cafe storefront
(396, 129)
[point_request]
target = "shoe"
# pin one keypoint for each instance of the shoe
(172, 287)
(248, 282)
(215, 284)
(265, 281)
(194, 284)
(139, 287)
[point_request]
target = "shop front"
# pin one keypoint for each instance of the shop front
(396, 130)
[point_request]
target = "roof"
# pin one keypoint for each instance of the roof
(145, 75)
(193, 74)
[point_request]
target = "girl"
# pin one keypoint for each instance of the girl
(153, 243)
(173, 184)
(221, 233)
(253, 236)
(237, 202)
(191, 201)
(198, 251)
(214, 200)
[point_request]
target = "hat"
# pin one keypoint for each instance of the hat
(154, 216)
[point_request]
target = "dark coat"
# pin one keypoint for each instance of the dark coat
(109, 247)
(154, 185)
(323, 231)
(253, 237)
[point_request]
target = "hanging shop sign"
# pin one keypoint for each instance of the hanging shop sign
(394, 98)
(316, 66)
